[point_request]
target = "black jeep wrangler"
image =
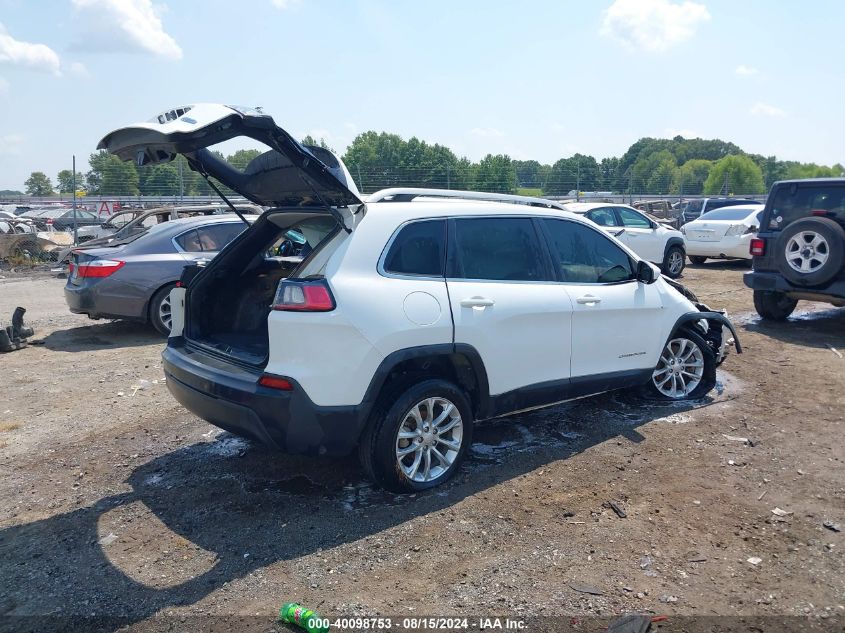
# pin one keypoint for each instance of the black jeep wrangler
(799, 252)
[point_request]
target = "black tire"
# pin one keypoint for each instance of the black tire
(698, 260)
(378, 447)
(673, 253)
(831, 248)
(161, 295)
(773, 306)
(708, 378)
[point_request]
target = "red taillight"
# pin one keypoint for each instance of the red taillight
(179, 284)
(758, 247)
(274, 382)
(304, 296)
(99, 268)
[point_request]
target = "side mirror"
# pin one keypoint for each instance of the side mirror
(645, 273)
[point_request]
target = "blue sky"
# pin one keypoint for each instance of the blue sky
(538, 80)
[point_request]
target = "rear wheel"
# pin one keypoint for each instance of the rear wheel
(774, 306)
(686, 369)
(673, 262)
(698, 260)
(160, 310)
(418, 437)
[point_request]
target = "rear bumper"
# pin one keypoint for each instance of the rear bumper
(733, 247)
(96, 301)
(229, 396)
(775, 282)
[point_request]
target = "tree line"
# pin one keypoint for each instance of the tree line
(376, 160)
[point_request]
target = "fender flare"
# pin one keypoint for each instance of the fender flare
(712, 318)
(674, 241)
(448, 351)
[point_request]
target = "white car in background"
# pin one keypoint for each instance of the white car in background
(652, 241)
(723, 233)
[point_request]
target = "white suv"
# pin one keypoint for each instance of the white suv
(648, 238)
(393, 325)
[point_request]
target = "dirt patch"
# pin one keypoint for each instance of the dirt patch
(122, 504)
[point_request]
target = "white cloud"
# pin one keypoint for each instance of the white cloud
(653, 25)
(10, 144)
(764, 109)
(79, 69)
(284, 4)
(4, 87)
(26, 54)
(126, 25)
(486, 132)
(746, 71)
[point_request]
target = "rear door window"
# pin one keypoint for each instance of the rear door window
(603, 216)
(418, 249)
(211, 238)
(501, 249)
(586, 256)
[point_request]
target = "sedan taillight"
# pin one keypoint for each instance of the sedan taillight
(99, 268)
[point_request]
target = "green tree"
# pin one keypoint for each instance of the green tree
(311, 141)
(495, 174)
(64, 181)
(735, 175)
(653, 173)
(110, 176)
(38, 184)
(690, 178)
(242, 157)
(159, 180)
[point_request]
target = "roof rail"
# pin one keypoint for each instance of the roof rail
(407, 194)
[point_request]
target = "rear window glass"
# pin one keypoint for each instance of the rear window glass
(793, 202)
(501, 249)
(727, 213)
(419, 249)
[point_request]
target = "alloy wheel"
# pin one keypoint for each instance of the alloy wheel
(676, 262)
(429, 439)
(164, 312)
(680, 368)
(807, 251)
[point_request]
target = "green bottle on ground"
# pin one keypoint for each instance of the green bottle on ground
(296, 614)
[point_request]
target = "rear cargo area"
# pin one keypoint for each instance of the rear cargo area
(228, 304)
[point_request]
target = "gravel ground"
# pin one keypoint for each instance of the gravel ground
(116, 501)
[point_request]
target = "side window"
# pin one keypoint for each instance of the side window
(585, 256)
(419, 249)
(633, 219)
(502, 249)
(603, 216)
(189, 242)
(216, 236)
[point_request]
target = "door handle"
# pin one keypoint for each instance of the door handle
(589, 300)
(477, 302)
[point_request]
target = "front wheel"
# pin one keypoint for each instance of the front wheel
(774, 306)
(418, 438)
(698, 260)
(673, 262)
(686, 369)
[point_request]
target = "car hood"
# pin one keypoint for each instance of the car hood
(288, 174)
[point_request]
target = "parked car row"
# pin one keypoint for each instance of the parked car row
(389, 326)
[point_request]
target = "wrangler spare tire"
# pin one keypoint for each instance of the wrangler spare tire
(810, 252)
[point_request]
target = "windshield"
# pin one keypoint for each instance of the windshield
(728, 213)
(793, 202)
